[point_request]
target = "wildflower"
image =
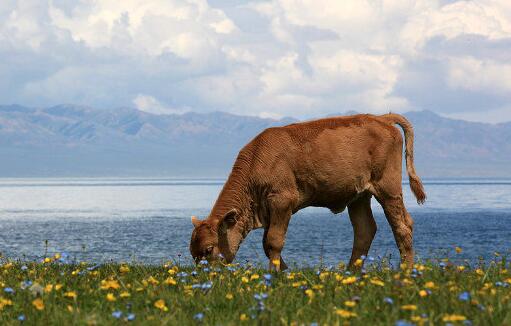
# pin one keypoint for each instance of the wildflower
(458, 250)
(377, 282)
(453, 318)
(345, 313)
(70, 294)
(160, 304)
(38, 304)
(309, 293)
(479, 272)
(124, 269)
(48, 288)
(254, 277)
(8, 290)
(267, 277)
(47, 260)
(151, 280)
(358, 262)
(229, 296)
(388, 300)
(423, 293)
(465, 296)
(349, 280)
(110, 297)
(5, 302)
(21, 318)
(203, 262)
(170, 281)
(130, 317)
(110, 284)
(199, 316)
(429, 285)
(58, 287)
(409, 307)
(403, 323)
(460, 268)
(24, 267)
(243, 317)
(244, 279)
(117, 314)
(124, 294)
(276, 262)
(70, 308)
(350, 304)
(36, 289)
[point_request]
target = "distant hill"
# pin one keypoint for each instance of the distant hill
(68, 140)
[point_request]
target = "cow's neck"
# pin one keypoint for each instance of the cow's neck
(236, 194)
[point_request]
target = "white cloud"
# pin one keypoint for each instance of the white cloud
(274, 58)
(150, 104)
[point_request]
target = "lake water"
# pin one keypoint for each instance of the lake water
(148, 220)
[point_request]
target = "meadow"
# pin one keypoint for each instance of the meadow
(57, 291)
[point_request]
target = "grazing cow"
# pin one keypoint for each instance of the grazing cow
(334, 163)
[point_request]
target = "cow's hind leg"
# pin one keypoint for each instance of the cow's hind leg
(402, 225)
(364, 226)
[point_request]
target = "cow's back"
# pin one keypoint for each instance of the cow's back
(329, 161)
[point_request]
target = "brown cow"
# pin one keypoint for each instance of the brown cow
(333, 163)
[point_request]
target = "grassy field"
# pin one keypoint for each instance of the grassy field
(57, 292)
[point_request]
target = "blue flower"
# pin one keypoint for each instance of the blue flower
(8, 290)
(388, 300)
(207, 285)
(130, 317)
(465, 296)
(182, 274)
(403, 323)
(117, 314)
(267, 277)
(203, 262)
(198, 316)
(314, 324)
(467, 322)
(26, 284)
(24, 267)
(194, 273)
(442, 264)
(21, 317)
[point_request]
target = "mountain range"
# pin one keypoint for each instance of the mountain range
(70, 140)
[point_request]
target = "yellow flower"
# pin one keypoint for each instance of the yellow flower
(4, 302)
(479, 272)
(254, 277)
(244, 279)
(229, 296)
(38, 304)
(110, 297)
(243, 317)
(378, 282)
(429, 285)
(349, 280)
(358, 262)
(317, 286)
(124, 294)
(47, 260)
(160, 304)
(58, 287)
(124, 269)
(338, 277)
(309, 293)
(460, 268)
(57, 256)
(323, 275)
(423, 293)
(453, 318)
(48, 288)
(290, 276)
(350, 304)
(170, 281)
(276, 262)
(152, 280)
(458, 250)
(345, 313)
(109, 284)
(70, 308)
(70, 294)
(410, 307)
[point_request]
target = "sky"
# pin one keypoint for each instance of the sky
(275, 58)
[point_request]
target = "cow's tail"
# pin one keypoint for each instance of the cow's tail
(415, 181)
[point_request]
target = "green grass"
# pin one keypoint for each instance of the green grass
(64, 294)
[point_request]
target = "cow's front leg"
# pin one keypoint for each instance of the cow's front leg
(280, 206)
(273, 248)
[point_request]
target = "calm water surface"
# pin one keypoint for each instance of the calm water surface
(148, 220)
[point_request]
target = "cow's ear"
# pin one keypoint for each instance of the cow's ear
(195, 221)
(230, 218)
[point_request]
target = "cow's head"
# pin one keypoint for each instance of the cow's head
(214, 240)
